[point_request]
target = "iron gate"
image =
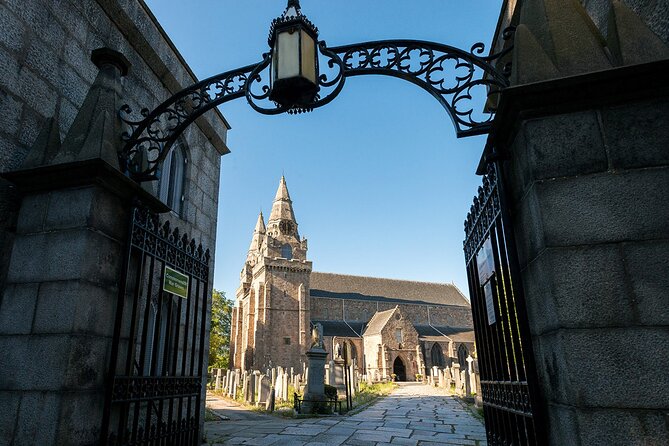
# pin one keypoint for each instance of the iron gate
(156, 372)
(513, 414)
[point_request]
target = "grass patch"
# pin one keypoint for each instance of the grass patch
(370, 392)
(209, 415)
(367, 394)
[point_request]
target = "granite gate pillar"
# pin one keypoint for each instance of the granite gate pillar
(58, 309)
(584, 141)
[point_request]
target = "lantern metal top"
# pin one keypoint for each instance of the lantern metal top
(292, 16)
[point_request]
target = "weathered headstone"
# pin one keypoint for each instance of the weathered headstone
(245, 386)
(217, 375)
(264, 389)
(284, 388)
(456, 376)
(269, 406)
(339, 373)
(278, 386)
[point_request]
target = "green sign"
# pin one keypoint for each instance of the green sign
(175, 282)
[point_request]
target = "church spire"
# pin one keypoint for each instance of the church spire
(258, 234)
(282, 209)
(282, 191)
(260, 224)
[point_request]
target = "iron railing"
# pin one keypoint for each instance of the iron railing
(511, 399)
(156, 372)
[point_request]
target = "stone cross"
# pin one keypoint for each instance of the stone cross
(469, 363)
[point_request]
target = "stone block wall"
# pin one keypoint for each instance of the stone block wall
(590, 206)
(57, 312)
(57, 317)
(652, 12)
(45, 49)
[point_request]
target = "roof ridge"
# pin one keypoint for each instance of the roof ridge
(388, 278)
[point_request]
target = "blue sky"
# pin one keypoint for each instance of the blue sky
(380, 185)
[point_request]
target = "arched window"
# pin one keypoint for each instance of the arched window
(462, 355)
(437, 355)
(172, 178)
(287, 251)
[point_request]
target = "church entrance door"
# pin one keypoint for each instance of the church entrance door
(399, 369)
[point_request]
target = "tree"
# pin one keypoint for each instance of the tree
(219, 337)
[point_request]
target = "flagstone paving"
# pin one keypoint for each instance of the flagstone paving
(412, 415)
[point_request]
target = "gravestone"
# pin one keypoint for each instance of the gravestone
(256, 385)
(264, 389)
(284, 387)
(245, 385)
(270, 400)
(339, 374)
(278, 386)
(456, 375)
(467, 379)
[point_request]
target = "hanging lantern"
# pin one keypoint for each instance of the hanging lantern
(294, 70)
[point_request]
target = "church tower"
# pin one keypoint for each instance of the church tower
(270, 323)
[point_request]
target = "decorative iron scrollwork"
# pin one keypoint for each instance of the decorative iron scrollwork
(141, 388)
(149, 139)
(452, 76)
(167, 244)
(482, 214)
(449, 74)
(507, 395)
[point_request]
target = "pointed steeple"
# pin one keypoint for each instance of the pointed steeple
(258, 234)
(260, 224)
(282, 209)
(282, 191)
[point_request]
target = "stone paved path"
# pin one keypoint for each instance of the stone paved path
(412, 415)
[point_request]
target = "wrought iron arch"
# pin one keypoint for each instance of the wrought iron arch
(451, 75)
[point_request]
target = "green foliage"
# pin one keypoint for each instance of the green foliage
(219, 337)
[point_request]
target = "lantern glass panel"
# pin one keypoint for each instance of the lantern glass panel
(308, 57)
(289, 55)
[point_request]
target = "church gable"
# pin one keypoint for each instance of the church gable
(396, 331)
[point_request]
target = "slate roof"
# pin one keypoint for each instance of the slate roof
(385, 290)
(378, 321)
(341, 328)
(432, 333)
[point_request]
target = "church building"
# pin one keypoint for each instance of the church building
(385, 326)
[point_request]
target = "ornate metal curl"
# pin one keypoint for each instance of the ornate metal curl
(449, 74)
(149, 139)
